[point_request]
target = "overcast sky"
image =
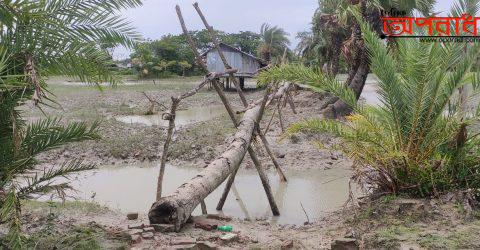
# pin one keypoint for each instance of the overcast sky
(158, 17)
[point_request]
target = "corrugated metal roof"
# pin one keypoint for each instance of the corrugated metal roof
(246, 64)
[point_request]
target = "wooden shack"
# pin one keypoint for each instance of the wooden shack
(246, 64)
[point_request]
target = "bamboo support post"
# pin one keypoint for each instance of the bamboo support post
(227, 105)
(214, 38)
(290, 102)
(216, 43)
(280, 116)
(171, 126)
(204, 207)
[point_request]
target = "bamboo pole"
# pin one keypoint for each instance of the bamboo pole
(204, 207)
(280, 116)
(229, 108)
(216, 43)
(214, 38)
(171, 126)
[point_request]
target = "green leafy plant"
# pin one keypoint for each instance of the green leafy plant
(274, 41)
(38, 39)
(415, 143)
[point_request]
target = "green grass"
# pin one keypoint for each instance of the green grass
(83, 237)
(51, 231)
(59, 207)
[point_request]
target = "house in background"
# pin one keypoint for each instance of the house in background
(246, 64)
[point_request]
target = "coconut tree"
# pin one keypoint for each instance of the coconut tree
(274, 42)
(415, 143)
(330, 28)
(38, 39)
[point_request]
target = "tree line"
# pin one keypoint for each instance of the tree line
(172, 56)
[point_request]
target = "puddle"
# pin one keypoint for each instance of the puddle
(133, 189)
(369, 94)
(183, 117)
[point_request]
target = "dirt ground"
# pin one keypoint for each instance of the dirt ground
(421, 225)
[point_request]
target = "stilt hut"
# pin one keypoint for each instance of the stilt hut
(246, 64)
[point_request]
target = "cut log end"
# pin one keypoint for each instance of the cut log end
(163, 211)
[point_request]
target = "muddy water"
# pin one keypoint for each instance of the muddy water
(369, 94)
(183, 117)
(133, 189)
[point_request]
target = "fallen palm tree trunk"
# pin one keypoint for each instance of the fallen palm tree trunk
(177, 208)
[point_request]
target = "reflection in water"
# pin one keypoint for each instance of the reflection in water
(240, 202)
(133, 189)
(183, 117)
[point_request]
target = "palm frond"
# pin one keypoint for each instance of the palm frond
(49, 133)
(45, 182)
(314, 78)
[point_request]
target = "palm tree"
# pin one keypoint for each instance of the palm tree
(38, 39)
(334, 15)
(274, 42)
(306, 47)
(330, 28)
(415, 143)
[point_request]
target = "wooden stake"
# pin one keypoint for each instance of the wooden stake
(227, 105)
(290, 102)
(270, 122)
(280, 115)
(171, 126)
(216, 43)
(204, 207)
(214, 38)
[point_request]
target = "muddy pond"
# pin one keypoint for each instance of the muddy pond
(183, 117)
(132, 188)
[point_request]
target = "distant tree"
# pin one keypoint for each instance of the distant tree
(274, 42)
(184, 65)
(246, 41)
(306, 48)
(169, 54)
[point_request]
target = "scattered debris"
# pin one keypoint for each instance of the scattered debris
(344, 244)
(225, 228)
(136, 226)
(228, 237)
(287, 244)
(205, 245)
(135, 231)
(306, 215)
(132, 216)
(136, 239)
(205, 224)
(183, 241)
(218, 217)
(147, 235)
(149, 229)
(163, 228)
